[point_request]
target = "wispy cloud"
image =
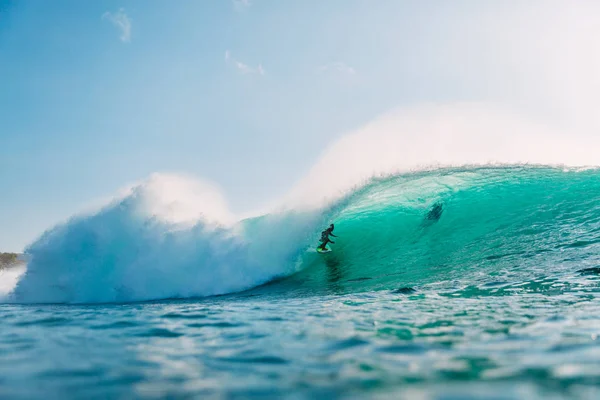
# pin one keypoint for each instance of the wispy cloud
(122, 22)
(338, 67)
(242, 67)
(246, 69)
(241, 5)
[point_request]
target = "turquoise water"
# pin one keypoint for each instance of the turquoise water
(493, 295)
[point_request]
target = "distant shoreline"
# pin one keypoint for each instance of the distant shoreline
(11, 260)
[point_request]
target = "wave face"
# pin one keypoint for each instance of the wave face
(450, 227)
(457, 228)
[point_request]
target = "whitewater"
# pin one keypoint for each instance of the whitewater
(466, 264)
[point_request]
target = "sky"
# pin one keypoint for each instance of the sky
(249, 94)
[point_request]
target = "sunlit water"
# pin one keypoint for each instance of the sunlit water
(529, 340)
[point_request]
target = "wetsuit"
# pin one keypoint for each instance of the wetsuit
(325, 238)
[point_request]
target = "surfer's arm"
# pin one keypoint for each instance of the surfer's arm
(331, 234)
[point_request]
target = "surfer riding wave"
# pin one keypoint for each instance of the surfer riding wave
(325, 238)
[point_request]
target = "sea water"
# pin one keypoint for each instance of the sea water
(493, 296)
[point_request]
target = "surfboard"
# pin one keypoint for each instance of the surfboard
(325, 250)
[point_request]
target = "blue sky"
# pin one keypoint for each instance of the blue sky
(97, 94)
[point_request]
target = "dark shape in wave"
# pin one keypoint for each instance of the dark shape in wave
(404, 290)
(590, 271)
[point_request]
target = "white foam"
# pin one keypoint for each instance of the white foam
(9, 278)
(170, 237)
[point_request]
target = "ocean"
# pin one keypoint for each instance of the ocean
(451, 283)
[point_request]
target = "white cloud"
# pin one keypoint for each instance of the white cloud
(122, 22)
(242, 67)
(246, 69)
(240, 5)
(338, 67)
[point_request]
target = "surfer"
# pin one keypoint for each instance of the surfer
(325, 237)
(435, 213)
